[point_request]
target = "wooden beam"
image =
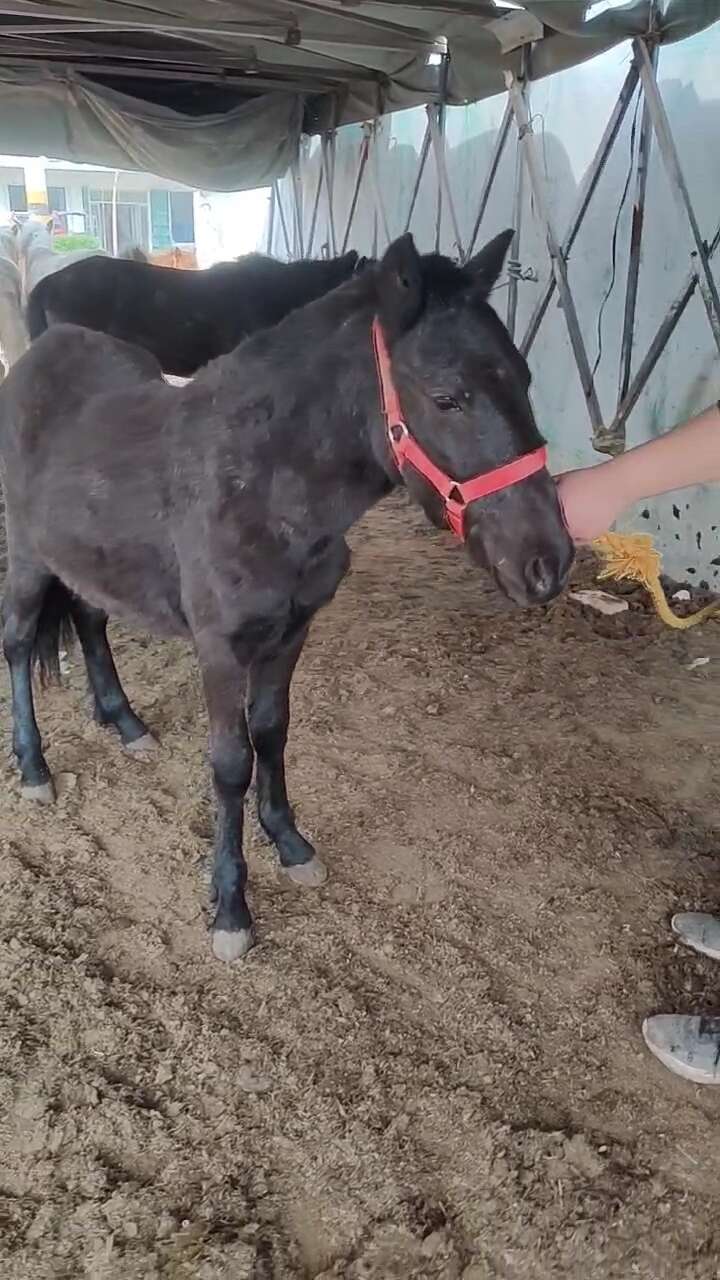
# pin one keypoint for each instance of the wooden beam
(251, 83)
(179, 53)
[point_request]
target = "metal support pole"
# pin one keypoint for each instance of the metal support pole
(362, 164)
(379, 203)
(614, 437)
(283, 223)
(113, 213)
(514, 255)
(297, 192)
(587, 191)
(436, 122)
(636, 232)
(535, 175)
(328, 167)
(676, 178)
(514, 264)
(422, 161)
(332, 154)
(271, 220)
(315, 209)
(438, 143)
(497, 152)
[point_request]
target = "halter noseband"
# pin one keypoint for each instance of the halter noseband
(456, 495)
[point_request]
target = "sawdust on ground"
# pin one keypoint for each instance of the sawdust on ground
(433, 1066)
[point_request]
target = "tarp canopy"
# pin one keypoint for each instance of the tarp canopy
(216, 93)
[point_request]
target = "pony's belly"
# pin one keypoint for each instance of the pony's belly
(129, 585)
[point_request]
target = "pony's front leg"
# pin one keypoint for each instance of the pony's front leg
(268, 718)
(231, 759)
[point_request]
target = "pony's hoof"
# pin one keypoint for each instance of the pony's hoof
(42, 794)
(229, 946)
(144, 748)
(308, 874)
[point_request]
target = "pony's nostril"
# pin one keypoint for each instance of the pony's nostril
(541, 576)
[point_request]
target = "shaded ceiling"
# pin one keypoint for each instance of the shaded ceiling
(216, 93)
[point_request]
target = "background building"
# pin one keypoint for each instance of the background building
(152, 213)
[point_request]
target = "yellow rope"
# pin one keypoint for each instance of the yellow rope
(633, 557)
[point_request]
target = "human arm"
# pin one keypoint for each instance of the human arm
(593, 498)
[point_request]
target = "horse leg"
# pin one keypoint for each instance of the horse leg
(22, 606)
(111, 704)
(268, 720)
(231, 759)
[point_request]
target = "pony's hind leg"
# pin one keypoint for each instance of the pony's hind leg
(224, 683)
(268, 719)
(111, 703)
(25, 596)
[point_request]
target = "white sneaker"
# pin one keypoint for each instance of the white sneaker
(699, 930)
(687, 1046)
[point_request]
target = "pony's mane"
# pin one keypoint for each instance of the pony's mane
(445, 282)
(442, 277)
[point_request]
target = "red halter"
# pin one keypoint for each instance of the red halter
(456, 495)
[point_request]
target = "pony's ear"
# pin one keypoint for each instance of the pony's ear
(486, 266)
(399, 287)
(349, 259)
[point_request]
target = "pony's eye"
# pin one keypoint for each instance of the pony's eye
(445, 403)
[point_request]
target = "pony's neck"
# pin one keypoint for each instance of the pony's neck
(319, 370)
(347, 423)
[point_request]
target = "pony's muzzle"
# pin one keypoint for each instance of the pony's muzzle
(544, 578)
(520, 536)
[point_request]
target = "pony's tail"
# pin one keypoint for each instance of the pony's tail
(54, 631)
(35, 316)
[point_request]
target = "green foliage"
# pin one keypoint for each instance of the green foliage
(76, 240)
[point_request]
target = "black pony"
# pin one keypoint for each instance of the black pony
(219, 511)
(185, 318)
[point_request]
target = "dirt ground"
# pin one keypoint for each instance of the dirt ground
(433, 1066)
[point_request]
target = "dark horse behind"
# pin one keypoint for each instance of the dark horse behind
(185, 318)
(219, 511)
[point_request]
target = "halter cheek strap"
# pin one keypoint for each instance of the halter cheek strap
(456, 495)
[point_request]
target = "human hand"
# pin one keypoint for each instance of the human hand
(591, 500)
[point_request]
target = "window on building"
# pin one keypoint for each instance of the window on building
(57, 199)
(172, 219)
(17, 197)
(160, 220)
(182, 221)
(133, 229)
